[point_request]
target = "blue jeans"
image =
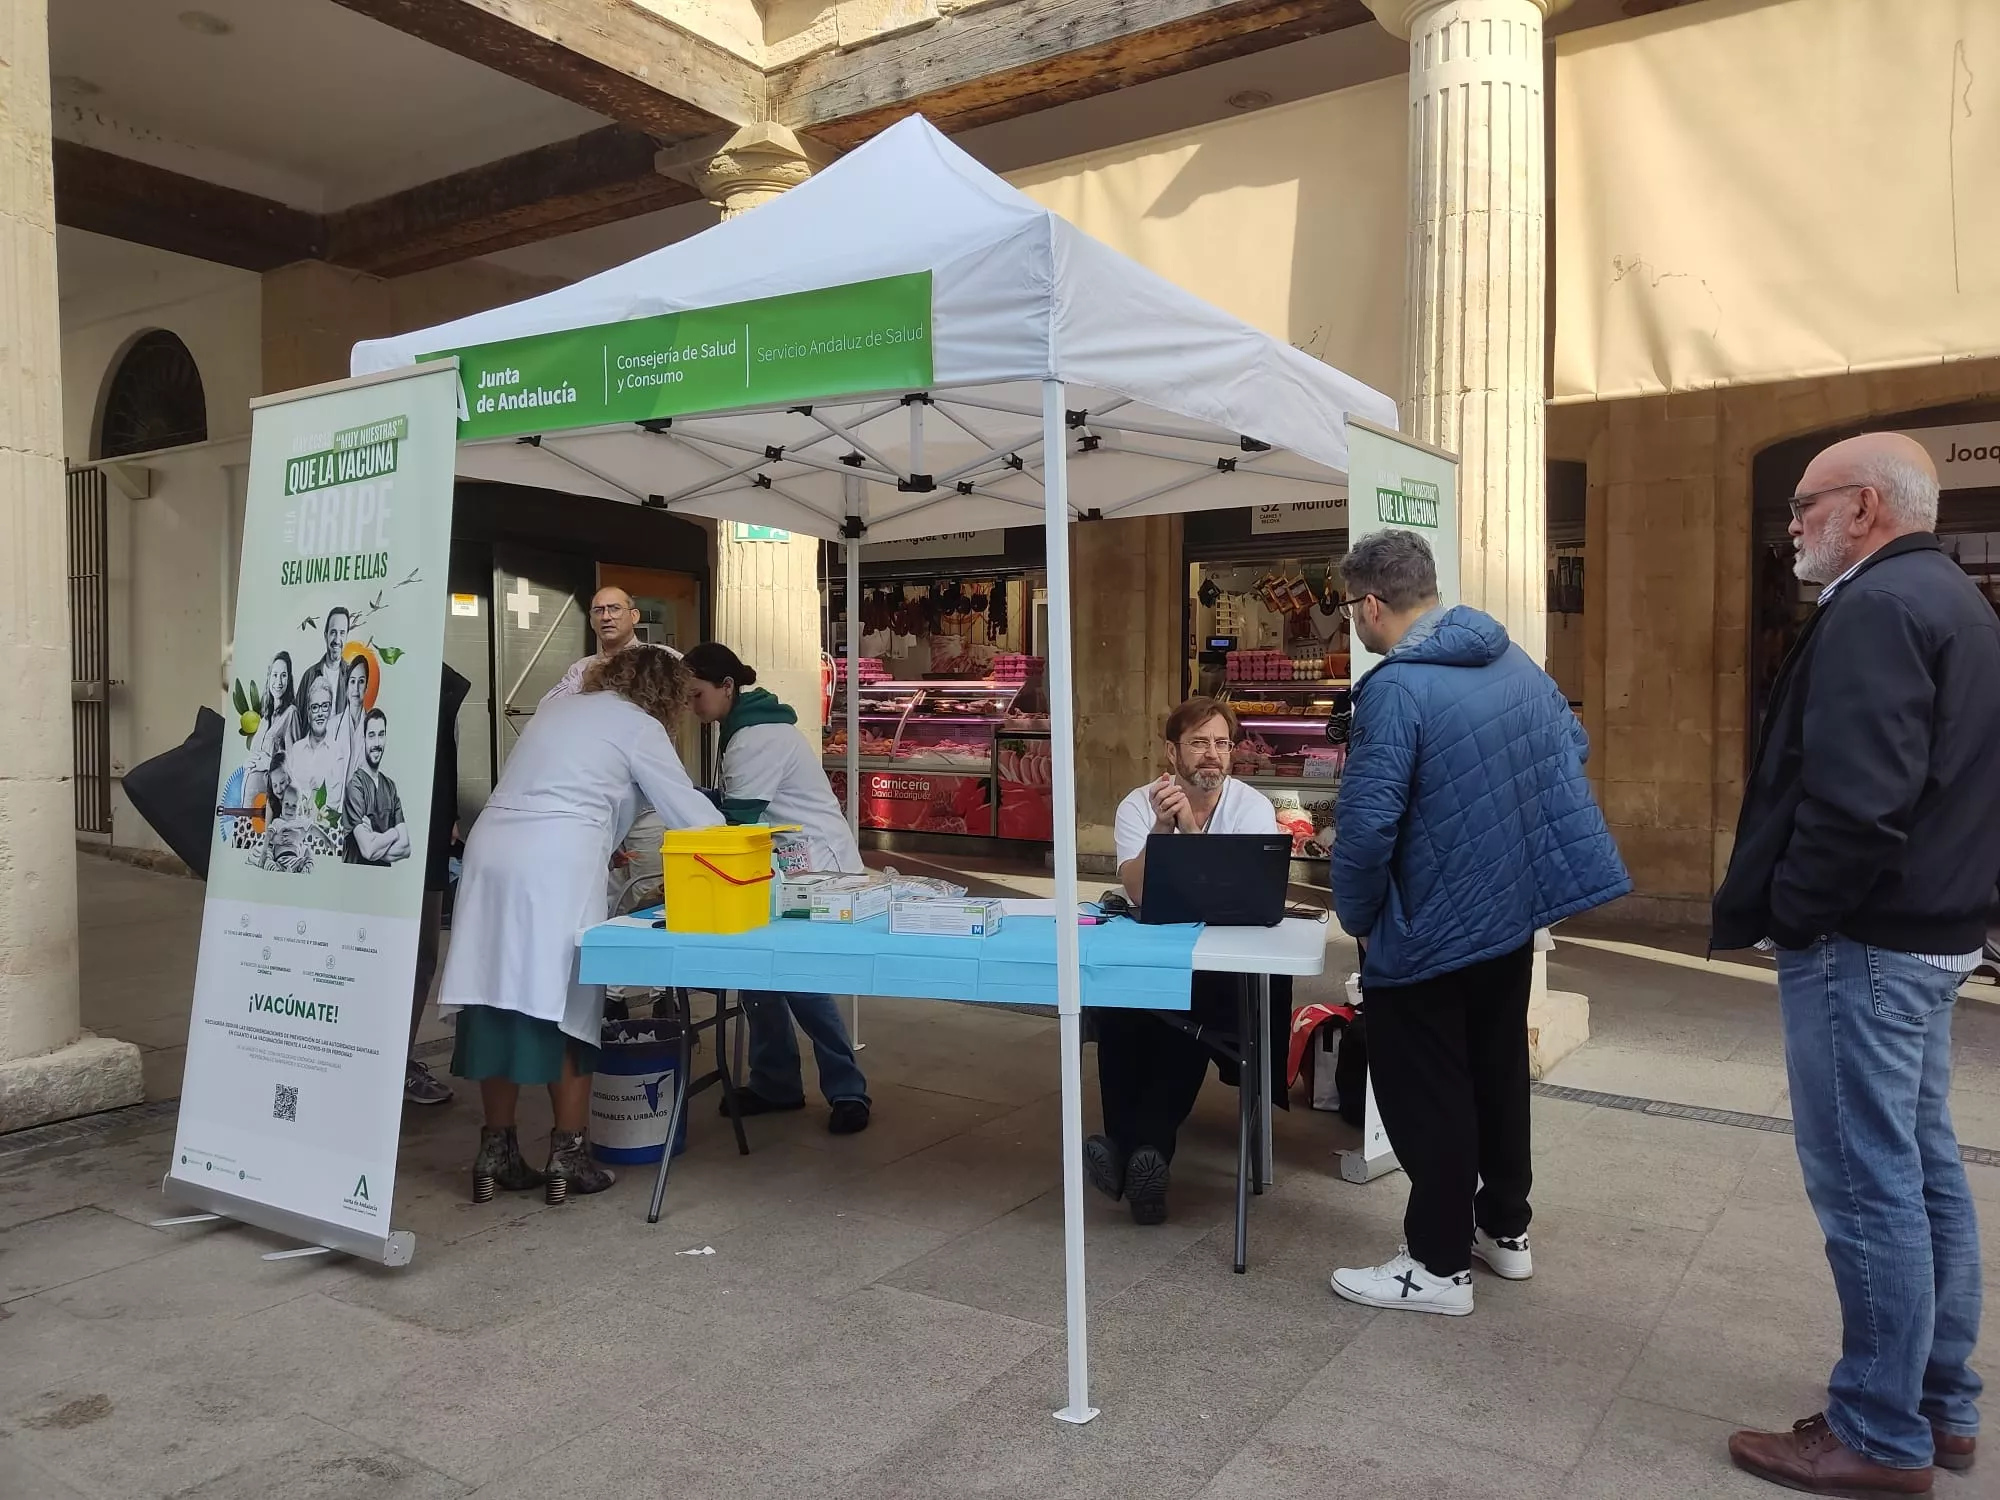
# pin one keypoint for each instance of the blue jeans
(1868, 1052)
(774, 1049)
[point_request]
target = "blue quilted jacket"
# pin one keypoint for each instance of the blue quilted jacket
(1464, 821)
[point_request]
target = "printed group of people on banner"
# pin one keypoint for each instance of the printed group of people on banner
(314, 776)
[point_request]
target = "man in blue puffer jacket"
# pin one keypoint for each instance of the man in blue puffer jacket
(1464, 825)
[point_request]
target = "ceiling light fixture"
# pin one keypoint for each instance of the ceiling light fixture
(205, 23)
(1249, 99)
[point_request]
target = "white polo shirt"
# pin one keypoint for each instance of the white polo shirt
(1243, 809)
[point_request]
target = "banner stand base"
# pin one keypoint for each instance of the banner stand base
(396, 1247)
(1356, 1167)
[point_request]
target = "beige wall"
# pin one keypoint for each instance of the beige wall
(1127, 590)
(314, 313)
(1668, 597)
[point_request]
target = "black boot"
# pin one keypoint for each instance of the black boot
(571, 1169)
(499, 1166)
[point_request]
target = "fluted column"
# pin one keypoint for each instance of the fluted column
(48, 1068)
(1474, 324)
(767, 597)
(1477, 288)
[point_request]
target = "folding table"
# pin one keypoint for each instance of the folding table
(866, 958)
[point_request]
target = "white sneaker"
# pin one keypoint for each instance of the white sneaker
(1404, 1283)
(1510, 1260)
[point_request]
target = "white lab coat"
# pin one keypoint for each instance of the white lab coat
(534, 866)
(774, 764)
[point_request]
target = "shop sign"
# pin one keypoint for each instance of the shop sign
(1309, 515)
(1967, 456)
(950, 544)
(806, 346)
(742, 531)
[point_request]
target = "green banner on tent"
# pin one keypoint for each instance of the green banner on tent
(808, 346)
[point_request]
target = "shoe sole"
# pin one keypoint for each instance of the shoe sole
(1147, 1178)
(1955, 1464)
(1360, 1299)
(1841, 1494)
(427, 1103)
(1480, 1256)
(1102, 1169)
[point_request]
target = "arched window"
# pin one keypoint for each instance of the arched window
(154, 399)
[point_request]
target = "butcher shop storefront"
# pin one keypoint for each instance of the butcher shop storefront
(954, 708)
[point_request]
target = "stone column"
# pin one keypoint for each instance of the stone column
(767, 598)
(1475, 320)
(49, 1067)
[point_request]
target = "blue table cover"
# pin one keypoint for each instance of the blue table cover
(1125, 964)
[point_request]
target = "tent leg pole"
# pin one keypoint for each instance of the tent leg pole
(1069, 987)
(851, 550)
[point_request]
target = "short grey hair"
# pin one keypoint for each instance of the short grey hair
(1395, 566)
(1908, 493)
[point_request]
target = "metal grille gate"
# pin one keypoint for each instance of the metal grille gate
(89, 650)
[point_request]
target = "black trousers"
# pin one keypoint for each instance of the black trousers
(1149, 1071)
(1449, 1058)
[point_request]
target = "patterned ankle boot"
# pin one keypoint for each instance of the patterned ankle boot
(499, 1166)
(571, 1169)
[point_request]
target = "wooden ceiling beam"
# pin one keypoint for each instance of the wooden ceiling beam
(594, 179)
(147, 205)
(611, 56)
(1006, 60)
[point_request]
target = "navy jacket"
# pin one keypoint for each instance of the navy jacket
(1873, 805)
(1464, 821)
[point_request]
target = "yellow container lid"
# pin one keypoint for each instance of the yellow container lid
(743, 838)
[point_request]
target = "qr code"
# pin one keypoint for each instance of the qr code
(286, 1105)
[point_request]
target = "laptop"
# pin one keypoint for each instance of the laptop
(1223, 879)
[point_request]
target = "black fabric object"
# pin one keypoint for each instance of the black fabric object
(1449, 1058)
(452, 689)
(175, 791)
(1350, 1071)
(1149, 1071)
(1873, 804)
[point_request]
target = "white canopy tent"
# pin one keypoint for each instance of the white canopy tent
(1066, 383)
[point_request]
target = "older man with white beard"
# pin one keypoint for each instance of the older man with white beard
(1148, 1070)
(1866, 854)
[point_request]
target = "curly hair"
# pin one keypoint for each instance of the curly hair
(653, 679)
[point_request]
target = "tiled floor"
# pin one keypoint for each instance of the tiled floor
(882, 1313)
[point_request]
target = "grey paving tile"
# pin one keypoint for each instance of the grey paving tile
(956, 1185)
(1334, 1457)
(157, 1305)
(903, 1120)
(1179, 1384)
(323, 1463)
(145, 1431)
(1594, 1266)
(821, 1253)
(852, 1380)
(313, 1353)
(1645, 1169)
(643, 1456)
(122, 1178)
(1648, 1452)
(1753, 1330)
(42, 1348)
(1519, 1380)
(21, 1478)
(1014, 1265)
(496, 1400)
(1650, 1072)
(53, 1252)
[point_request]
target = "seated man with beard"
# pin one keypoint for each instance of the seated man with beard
(1148, 1069)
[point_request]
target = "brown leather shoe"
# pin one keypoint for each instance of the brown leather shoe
(1811, 1458)
(1953, 1452)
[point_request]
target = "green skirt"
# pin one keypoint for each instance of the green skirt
(506, 1044)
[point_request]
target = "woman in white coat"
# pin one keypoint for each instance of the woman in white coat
(770, 774)
(533, 878)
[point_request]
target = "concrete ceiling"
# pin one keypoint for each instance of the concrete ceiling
(300, 101)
